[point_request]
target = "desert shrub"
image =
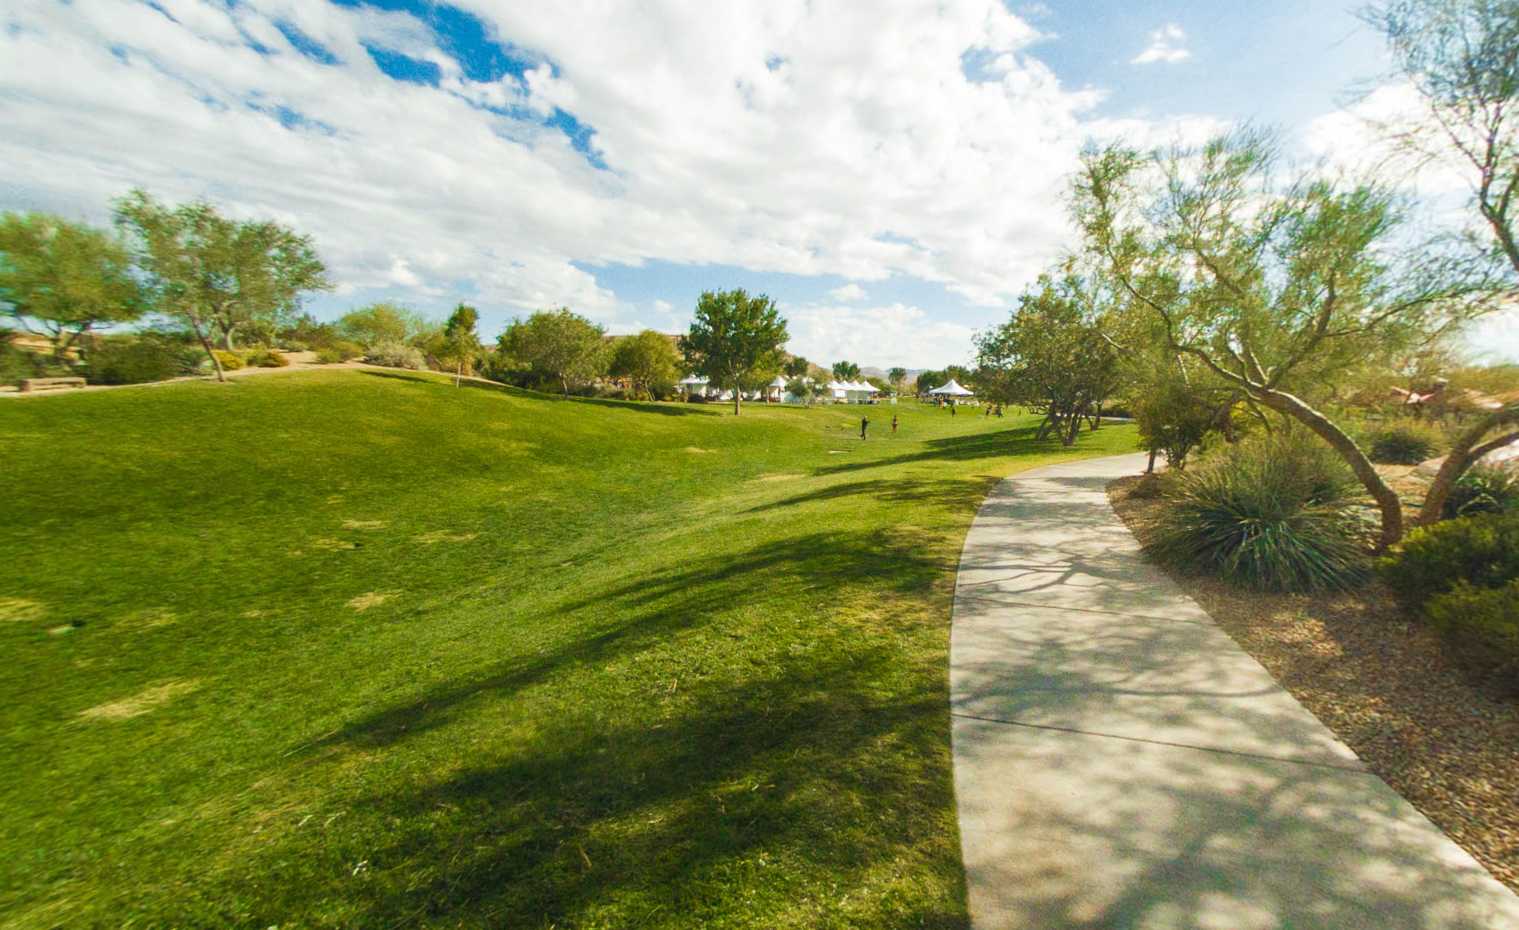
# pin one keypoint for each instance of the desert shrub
(341, 350)
(1268, 513)
(131, 360)
(266, 358)
(1481, 550)
(230, 361)
(1482, 622)
(1148, 487)
(16, 363)
(1406, 442)
(1483, 489)
(396, 355)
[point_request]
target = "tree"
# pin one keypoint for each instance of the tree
(1052, 353)
(898, 378)
(61, 279)
(732, 337)
(846, 371)
(797, 367)
(1271, 286)
(383, 322)
(802, 387)
(1462, 57)
(218, 274)
(930, 378)
(461, 344)
(645, 360)
(557, 345)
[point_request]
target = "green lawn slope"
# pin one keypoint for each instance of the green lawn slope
(361, 649)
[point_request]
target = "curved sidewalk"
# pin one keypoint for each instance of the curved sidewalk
(1120, 762)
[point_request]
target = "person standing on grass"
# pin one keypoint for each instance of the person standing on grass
(954, 409)
(864, 425)
(893, 424)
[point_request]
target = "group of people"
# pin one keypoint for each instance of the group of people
(865, 421)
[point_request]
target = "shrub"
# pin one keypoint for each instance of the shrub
(341, 350)
(1404, 443)
(1268, 513)
(1481, 550)
(230, 361)
(132, 360)
(396, 355)
(266, 358)
(1482, 622)
(16, 363)
(1483, 489)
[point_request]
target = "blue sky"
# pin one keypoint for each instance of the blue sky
(890, 172)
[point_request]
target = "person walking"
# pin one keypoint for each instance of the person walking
(893, 424)
(864, 425)
(954, 409)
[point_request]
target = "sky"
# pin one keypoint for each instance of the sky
(890, 171)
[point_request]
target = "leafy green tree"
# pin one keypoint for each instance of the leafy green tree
(646, 359)
(846, 371)
(461, 344)
(383, 322)
(802, 387)
(1052, 353)
(557, 345)
(734, 336)
(218, 274)
(1272, 283)
(930, 378)
(897, 377)
(1462, 57)
(61, 279)
(797, 367)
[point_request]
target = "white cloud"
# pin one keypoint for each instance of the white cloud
(896, 334)
(1167, 45)
(770, 135)
(848, 292)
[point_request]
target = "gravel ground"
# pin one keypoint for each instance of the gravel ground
(1388, 687)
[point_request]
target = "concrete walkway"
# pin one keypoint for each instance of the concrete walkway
(1120, 762)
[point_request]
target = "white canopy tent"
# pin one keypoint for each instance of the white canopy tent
(693, 384)
(952, 389)
(775, 389)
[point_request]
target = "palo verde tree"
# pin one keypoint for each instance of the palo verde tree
(733, 336)
(461, 344)
(1462, 57)
(60, 279)
(1053, 354)
(646, 359)
(1271, 284)
(557, 345)
(217, 274)
(896, 377)
(382, 323)
(846, 371)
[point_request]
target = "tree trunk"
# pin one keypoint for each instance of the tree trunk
(1461, 458)
(459, 373)
(1150, 468)
(227, 339)
(205, 343)
(1387, 500)
(1097, 419)
(564, 384)
(738, 396)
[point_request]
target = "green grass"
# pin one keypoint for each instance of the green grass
(636, 665)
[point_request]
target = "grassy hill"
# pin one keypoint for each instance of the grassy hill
(361, 649)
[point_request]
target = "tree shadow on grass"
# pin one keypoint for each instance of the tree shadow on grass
(648, 611)
(948, 493)
(999, 444)
(829, 760)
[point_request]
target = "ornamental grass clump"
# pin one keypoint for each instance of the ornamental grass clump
(1269, 514)
(1404, 443)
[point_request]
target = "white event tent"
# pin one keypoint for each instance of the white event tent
(952, 389)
